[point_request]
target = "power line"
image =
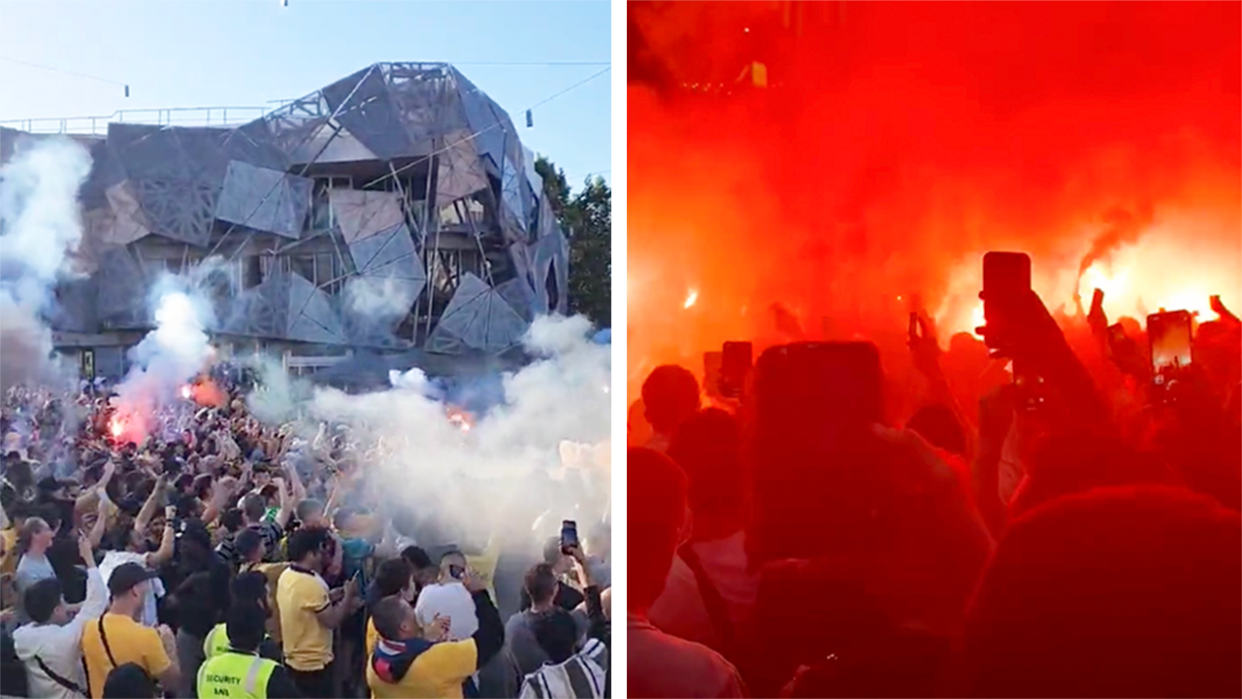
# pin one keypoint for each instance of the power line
(59, 70)
(529, 63)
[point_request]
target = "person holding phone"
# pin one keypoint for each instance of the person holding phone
(309, 613)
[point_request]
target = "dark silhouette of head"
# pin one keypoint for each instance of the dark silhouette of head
(670, 396)
(1130, 591)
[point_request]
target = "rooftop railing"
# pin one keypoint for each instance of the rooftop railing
(175, 116)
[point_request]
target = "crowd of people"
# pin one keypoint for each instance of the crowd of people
(226, 557)
(1073, 533)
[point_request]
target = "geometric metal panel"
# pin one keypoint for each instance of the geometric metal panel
(477, 318)
(550, 265)
(362, 213)
(264, 199)
(311, 318)
(179, 209)
(457, 316)
(461, 172)
(362, 104)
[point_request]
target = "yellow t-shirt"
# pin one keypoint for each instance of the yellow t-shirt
(307, 643)
(438, 672)
(130, 642)
(9, 564)
(372, 637)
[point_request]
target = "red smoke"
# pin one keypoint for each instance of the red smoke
(908, 139)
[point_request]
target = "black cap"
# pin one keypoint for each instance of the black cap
(126, 577)
(194, 530)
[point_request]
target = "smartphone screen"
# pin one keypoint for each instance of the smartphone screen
(1004, 274)
(1170, 337)
(735, 363)
(569, 535)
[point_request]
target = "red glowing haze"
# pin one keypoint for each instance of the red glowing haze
(913, 137)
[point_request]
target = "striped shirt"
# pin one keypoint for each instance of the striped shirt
(584, 676)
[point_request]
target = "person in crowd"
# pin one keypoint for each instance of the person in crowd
(411, 660)
(115, 638)
(254, 516)
(1060, 608)
(541, 585)
(670, 396)
(309, 613)
(201, 598)
(449, 598)
(250, 591)
(572, 668)
(51, 645)
(712, 571)
(660, 665)
(568, 596)
(129, 545)
(250, 553)
(394, 577)
(33, 565)
(241, 670)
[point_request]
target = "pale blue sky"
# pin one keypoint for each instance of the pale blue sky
(206, 53)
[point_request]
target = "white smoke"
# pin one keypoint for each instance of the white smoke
(169, 356)
(499, 471)
(379, 298)
(40, 227)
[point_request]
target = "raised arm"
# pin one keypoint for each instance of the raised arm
(165, 552)
(143, 520)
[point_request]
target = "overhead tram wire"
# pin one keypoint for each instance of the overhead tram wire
(52, 69)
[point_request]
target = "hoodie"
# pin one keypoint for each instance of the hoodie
(60, 647)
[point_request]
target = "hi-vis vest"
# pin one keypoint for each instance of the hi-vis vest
(217, 641)
(235, 675)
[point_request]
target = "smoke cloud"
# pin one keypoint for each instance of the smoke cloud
(170, 356)
(500, 469)
(1102, 138)
(39, 229)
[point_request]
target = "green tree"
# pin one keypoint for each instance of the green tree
(587, 218)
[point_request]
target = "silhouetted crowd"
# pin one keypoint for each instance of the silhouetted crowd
(1062, 521)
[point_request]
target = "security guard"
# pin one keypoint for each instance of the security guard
(217, 642)
(240, 672)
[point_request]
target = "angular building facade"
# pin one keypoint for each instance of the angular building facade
(395, 210)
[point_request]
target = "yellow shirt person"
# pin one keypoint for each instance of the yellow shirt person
(116, 639)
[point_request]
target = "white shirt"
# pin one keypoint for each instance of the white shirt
(60, 647)
(112, 560)
(725, 561)
(450, 600)
(660, 665)
(680, 610)
(583, 676)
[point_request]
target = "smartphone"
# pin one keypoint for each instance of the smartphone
(458, 572)
(712, 363)
(1171, 343)
(1004, 274)
(814, 404)
(735, 363)
(569, 535)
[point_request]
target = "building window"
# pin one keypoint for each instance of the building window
(322, 217)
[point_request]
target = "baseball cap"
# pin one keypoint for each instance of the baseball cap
(126, 577)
